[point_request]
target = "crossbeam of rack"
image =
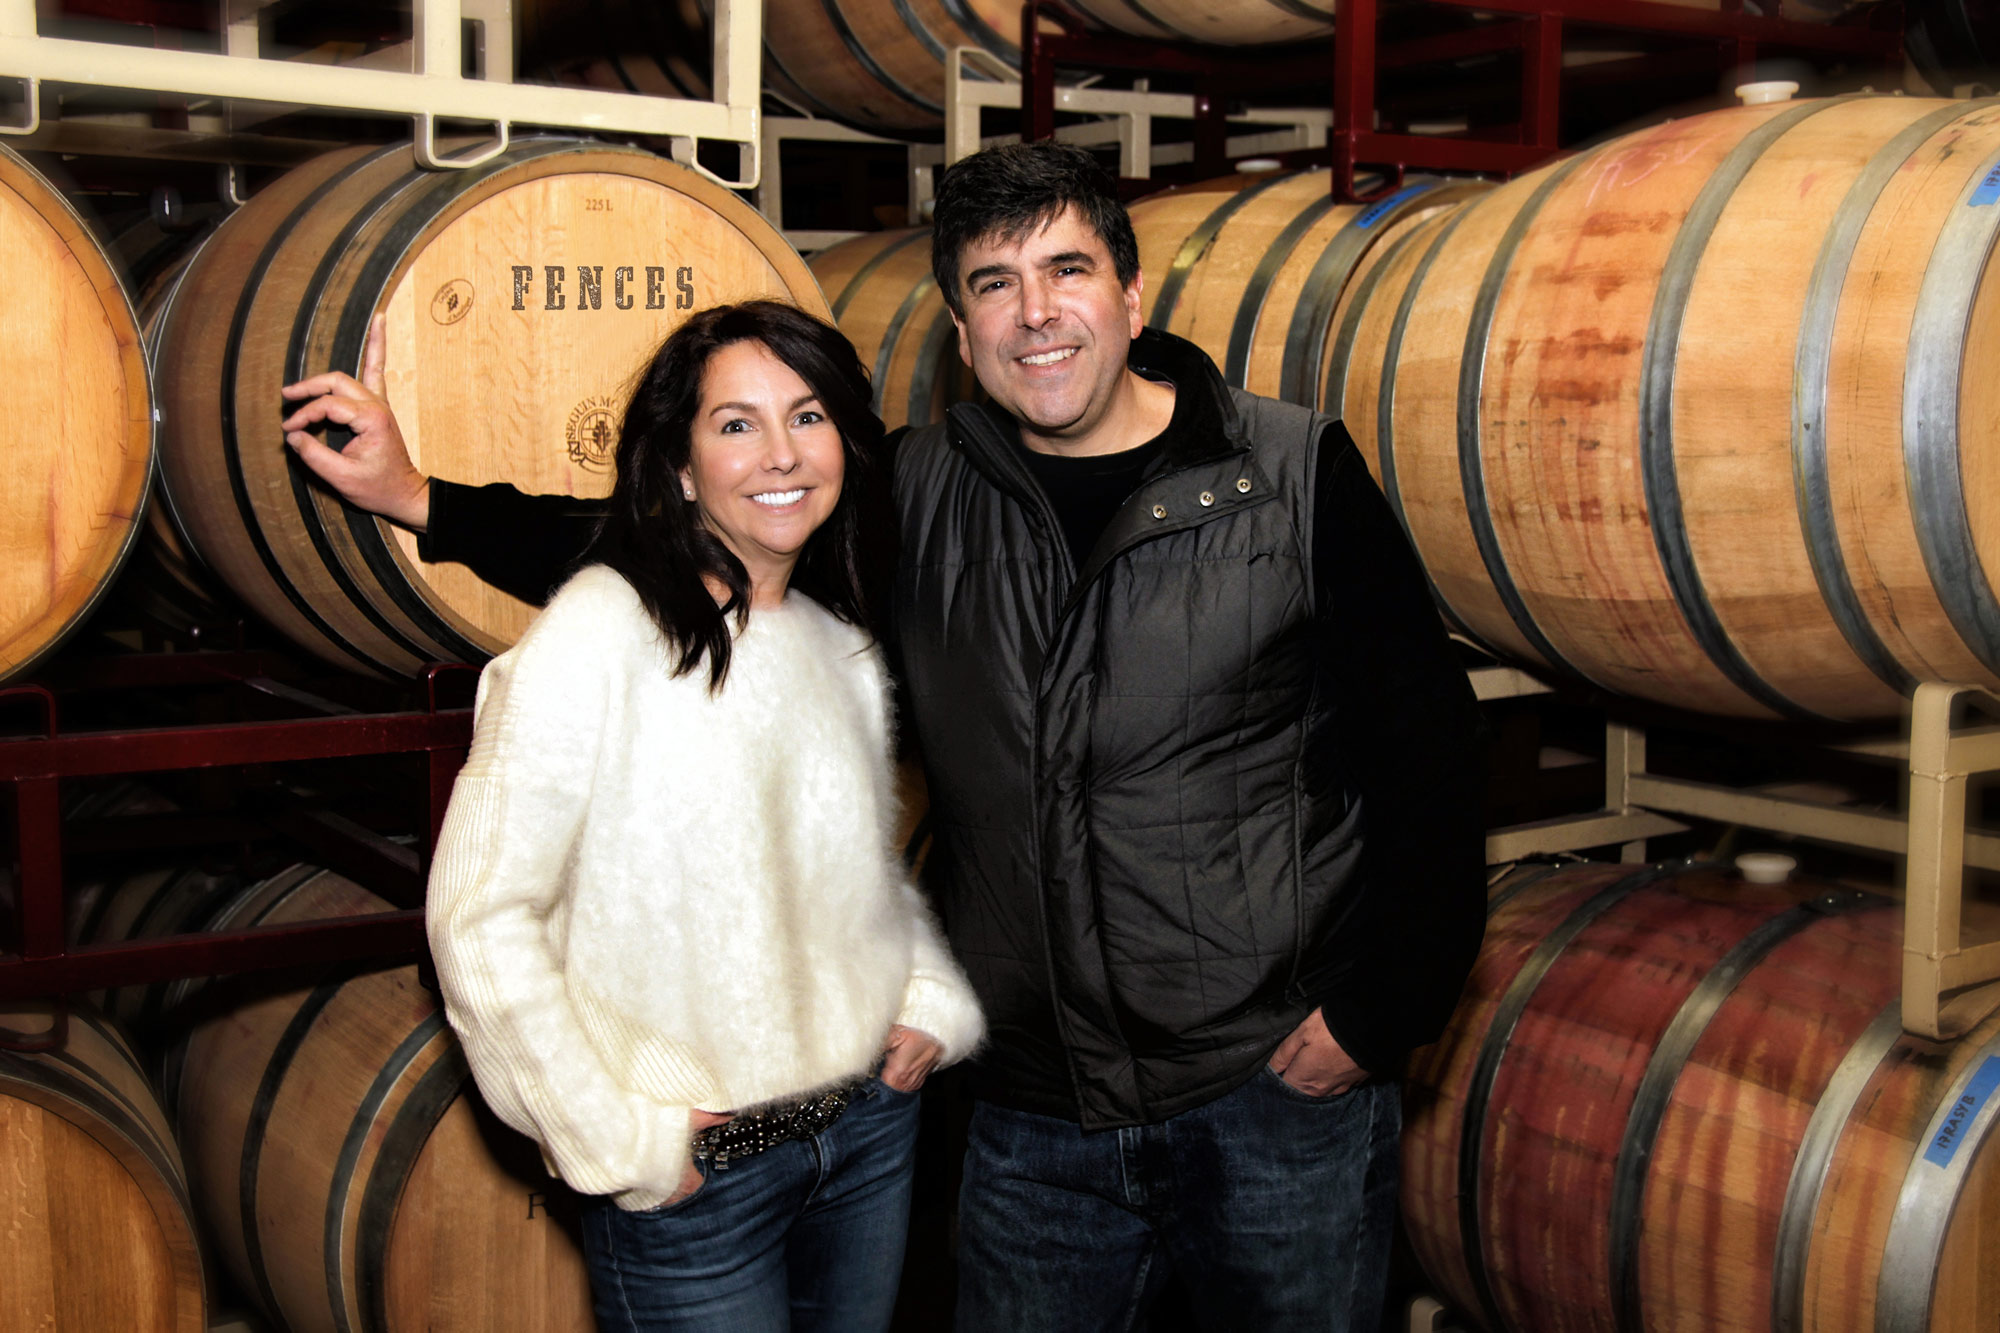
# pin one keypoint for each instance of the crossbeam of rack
(1950, 983)
(33, 769)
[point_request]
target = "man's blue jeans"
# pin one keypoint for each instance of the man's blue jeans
(1274, 1209)
(806, 1235)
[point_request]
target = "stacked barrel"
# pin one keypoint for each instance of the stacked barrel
(336, 1153)
(1675, 1099)
(1706, 415)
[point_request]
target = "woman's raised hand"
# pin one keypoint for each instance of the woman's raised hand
(374, 471)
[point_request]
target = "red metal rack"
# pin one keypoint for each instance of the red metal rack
(32, 769)
(1535, 29)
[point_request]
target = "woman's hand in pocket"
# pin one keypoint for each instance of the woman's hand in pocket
(908, 1058)
(691, 1177)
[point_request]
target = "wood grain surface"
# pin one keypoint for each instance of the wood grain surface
(78, 448)
(93, 1203)
(344, 1163)
(1258, 265)
(889, 307)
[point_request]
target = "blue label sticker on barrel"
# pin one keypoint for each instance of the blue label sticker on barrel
(1375, 212)
(1988, 189)
(1945, 1144)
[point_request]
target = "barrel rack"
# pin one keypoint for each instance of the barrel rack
(1951, 734)
(1535, 29)
(423, 79)
(33, 769)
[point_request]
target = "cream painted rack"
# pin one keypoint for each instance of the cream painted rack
(422, 79)
(1949, 738)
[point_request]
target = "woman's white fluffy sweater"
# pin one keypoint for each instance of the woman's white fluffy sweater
(648, 898)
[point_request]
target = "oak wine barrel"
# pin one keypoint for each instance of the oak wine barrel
(1706, 414)
(863, 62)
(94, 1208)
(886, 302)
(633, 46)
(79, 449)
(1253, 268)
(344, 1162)
(1672, 1099)
(522, 297)
(1230, 23)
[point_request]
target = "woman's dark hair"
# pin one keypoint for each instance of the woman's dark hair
(655, 538)
(1017, 188)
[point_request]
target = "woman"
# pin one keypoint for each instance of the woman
(668, 922)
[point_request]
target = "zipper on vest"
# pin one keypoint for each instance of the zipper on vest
(995, 457)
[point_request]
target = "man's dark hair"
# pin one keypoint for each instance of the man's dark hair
(654, 536)
(1009, 191)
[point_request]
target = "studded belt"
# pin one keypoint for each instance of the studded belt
(752, 1132)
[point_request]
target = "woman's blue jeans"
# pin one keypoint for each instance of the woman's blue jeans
(807, 1235)
(1273, 1208)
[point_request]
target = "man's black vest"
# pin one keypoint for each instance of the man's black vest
(1140, 845)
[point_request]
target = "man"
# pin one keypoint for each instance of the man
(1203, 776)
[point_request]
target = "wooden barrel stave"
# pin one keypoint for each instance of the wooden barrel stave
(79, 456)
(888, 305)
(1739, 1112)
(1731, 453)
(1253, 269)
(93, 1199)
(1575, 1064)
(1440, 1075)
(1663, 1112)
(1870, 360)
(347, 1168)
(1413, 431)
(194, 404)
(1638, 500)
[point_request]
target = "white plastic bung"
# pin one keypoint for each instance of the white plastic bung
(1765, 867)
(1756, 94)
(1255, 164)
